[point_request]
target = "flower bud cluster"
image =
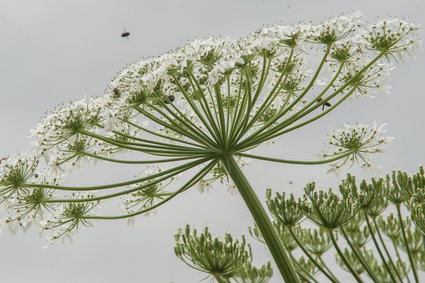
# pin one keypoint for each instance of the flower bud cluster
(352, 223)
(220, 258)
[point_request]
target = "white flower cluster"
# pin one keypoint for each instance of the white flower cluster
(24, 204)
(389, 36)
(208, 97)
(66, 218)
(193, 71)
(356, 143)
(61, 137)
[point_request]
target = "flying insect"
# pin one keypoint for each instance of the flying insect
(324, 104)
(125, 34)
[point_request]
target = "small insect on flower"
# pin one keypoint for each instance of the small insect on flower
(125, 34)
(325, 104)
(169, 99)
(116, 92)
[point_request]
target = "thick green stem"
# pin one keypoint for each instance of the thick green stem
(268, 232)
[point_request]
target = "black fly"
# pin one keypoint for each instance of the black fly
(125, 34)
(169, 99)
(324, 104)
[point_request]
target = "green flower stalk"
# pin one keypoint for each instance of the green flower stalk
(417, 208)
(190, 117)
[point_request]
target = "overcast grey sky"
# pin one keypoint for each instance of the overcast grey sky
(55, 51)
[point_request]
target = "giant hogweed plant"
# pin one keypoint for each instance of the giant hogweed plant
(200, 112)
